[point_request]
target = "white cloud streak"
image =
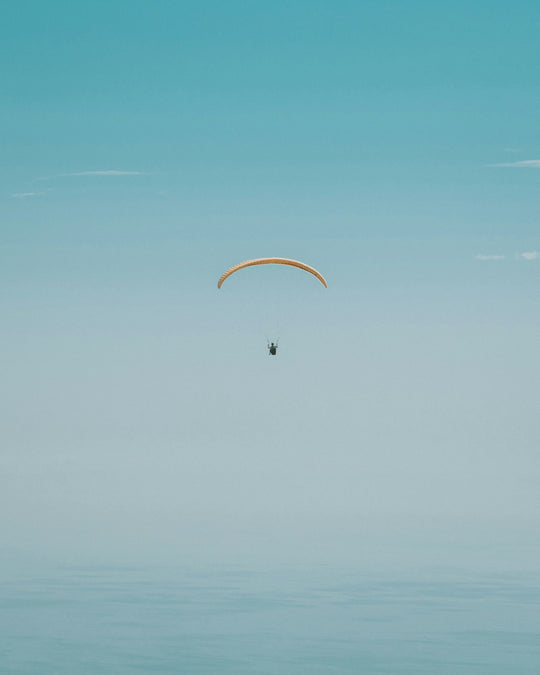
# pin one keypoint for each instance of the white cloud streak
(104, 172)
(524, 164)
(27, 195)
(525, 255)
(109, 172)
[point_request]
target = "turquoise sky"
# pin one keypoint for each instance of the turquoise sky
(147, 147)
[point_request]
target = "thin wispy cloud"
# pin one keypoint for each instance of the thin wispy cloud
(108, 172)
(523, 164)
(525, 255)
(103, 172)
(27, 195)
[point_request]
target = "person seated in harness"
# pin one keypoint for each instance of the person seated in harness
(272, 348)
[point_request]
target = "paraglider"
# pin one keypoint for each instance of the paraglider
(272, 347)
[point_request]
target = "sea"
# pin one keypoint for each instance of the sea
(235, 619)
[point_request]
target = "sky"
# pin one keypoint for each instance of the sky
(146, 148)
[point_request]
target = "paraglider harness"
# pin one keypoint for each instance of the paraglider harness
(272, 348)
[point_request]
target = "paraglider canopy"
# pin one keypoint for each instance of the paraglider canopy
(272, 261)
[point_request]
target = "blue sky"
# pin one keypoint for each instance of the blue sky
(148, 147)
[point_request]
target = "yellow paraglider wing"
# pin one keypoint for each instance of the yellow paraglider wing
(272, 261)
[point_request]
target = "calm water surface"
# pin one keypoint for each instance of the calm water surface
(116, 620)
